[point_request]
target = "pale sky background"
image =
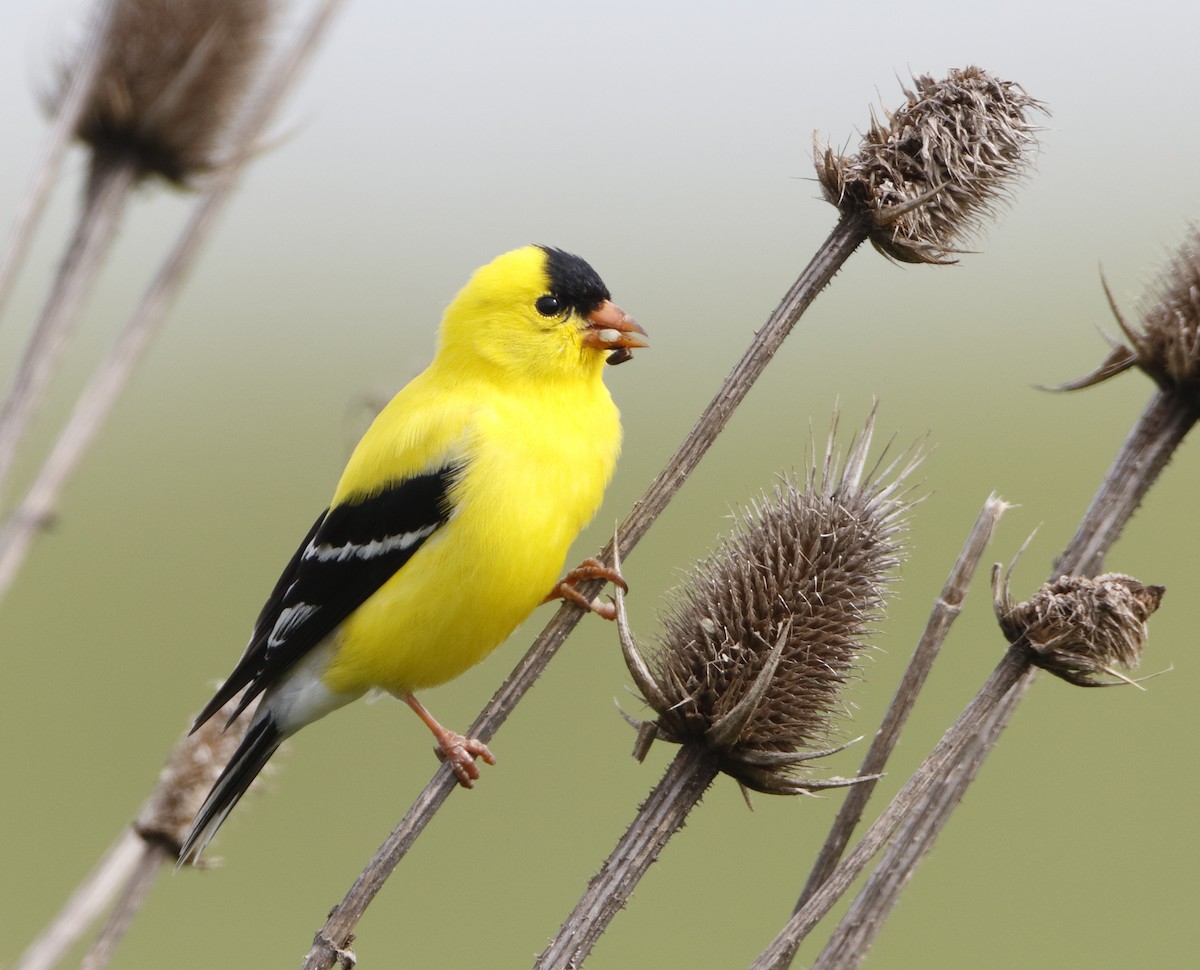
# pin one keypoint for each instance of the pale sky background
(670, 144)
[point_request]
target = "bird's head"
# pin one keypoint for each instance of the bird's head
(539, 310)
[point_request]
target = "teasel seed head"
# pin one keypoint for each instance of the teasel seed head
(1077, 627)
(191, 770)
(1167, 347)
(172, 75)
(940, 165)
(763, 634)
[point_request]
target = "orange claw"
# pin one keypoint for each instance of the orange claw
(566, 589)
(453, 747)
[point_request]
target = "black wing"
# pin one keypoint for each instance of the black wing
(348, 554)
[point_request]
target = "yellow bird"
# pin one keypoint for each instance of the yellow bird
(452, 519)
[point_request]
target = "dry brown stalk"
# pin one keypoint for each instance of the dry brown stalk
(72, 101)
(91, 898)
(945, 611)
(112, 374)
(171, 75)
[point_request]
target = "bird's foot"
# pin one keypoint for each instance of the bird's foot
(461, 752)
(453, 747)
(566, 589)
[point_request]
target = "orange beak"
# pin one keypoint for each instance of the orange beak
(611, 328)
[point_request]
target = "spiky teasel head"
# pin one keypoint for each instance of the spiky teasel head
(1077, 627)
(171, 75)
(940, 166)
(762, 635)
(1167, 347)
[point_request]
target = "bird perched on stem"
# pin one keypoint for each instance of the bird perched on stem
(451, 521)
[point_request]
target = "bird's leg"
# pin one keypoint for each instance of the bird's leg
(589, 569)
(461, 752)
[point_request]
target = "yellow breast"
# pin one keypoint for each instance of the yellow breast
(537, 463)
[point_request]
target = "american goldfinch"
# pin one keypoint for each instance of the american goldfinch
(451, 521)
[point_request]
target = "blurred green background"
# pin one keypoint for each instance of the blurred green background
(669, 144)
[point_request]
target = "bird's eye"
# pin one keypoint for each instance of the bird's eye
(547, 306)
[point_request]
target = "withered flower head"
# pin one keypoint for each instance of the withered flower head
(1167, 347)
(764, 632)
(937, 170)
(171, 76)
(191, 770)
(1078, 627)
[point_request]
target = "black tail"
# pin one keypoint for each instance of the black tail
(261, 740)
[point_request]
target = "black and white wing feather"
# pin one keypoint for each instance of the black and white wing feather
(351, 551)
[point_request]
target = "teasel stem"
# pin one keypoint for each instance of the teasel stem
(945, 611)
(93, 896)
(171, 74)
(856, 224)
(925, 815)
(332, 941)
(62, 131)
(1167, 349)
(850, 942)
(114, 371)
(133, 894)
(107, 189)
(666, 808)
(1004, 680)
(1147, 450)
(1074, 627)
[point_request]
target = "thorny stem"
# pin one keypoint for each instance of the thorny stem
(851, 230)
(66, 120)
(663, 813)
(1008, 676)
(944, 779)
(153, 855)
(945, 612)
(109, 183)
(1159, 431)
(111, 376)
(85, 904)
(848, 945)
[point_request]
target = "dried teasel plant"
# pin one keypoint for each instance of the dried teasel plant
(756, 647)
(171, 76)
(1074, 627)
(1167, 349)
(764, 633)
(1077, 627)
(938, 167)
(1167, 346)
